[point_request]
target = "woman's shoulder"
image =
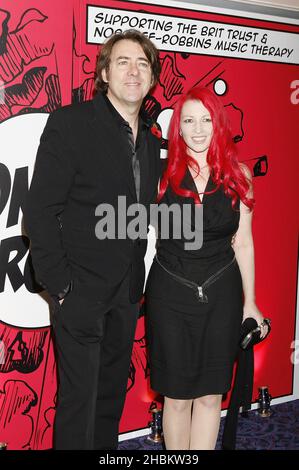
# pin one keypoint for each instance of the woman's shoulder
(244, 168)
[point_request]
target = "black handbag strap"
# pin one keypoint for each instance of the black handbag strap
(241, 396)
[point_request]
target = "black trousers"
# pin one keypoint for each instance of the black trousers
(94, 344)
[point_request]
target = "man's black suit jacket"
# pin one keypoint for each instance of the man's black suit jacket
(83, 161)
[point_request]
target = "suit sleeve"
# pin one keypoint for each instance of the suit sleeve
(51, 182)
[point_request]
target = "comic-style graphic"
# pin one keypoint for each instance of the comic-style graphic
(28, 69)
(28, 387)
(47, 61)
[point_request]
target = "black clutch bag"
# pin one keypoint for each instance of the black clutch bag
(251, 332)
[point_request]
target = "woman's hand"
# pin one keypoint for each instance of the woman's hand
(251, 310)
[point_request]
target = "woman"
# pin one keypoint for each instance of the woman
(195, 297)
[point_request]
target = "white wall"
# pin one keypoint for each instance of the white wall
(287, 8)
(286, 4)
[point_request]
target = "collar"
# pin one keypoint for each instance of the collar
(143, 121)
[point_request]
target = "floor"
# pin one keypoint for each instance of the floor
(280, 431)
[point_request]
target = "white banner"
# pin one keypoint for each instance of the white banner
(193, 36)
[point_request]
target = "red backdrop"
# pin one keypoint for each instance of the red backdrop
(45, 63)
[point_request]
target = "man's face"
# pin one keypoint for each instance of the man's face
(130, 76)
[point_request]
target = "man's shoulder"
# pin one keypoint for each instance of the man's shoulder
(73, 111)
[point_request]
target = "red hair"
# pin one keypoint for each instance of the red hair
(221, 156)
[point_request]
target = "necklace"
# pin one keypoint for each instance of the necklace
(200, 173)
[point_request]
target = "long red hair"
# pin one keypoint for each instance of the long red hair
(221, 156)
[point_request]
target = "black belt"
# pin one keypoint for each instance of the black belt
(199, 290)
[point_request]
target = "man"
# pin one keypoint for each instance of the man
(90, 154)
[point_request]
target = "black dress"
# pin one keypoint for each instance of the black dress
(192, 338)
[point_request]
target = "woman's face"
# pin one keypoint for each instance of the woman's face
(196, 127)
